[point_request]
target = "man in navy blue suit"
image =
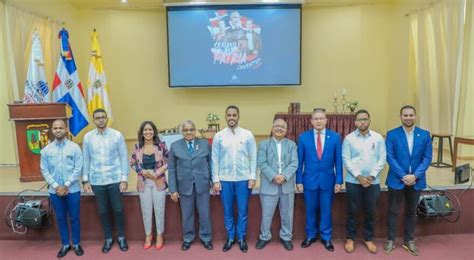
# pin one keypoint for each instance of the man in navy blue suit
(409, 154)
(319, 176)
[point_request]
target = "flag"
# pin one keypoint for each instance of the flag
(67, 88)
(97, 89)
(36, 86)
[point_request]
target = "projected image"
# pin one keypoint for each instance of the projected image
(250, 45)
(237, 40)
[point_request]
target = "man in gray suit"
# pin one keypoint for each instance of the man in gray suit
(189, 173)
(278, 162)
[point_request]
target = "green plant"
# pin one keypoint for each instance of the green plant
(352, 105)
(212, 118)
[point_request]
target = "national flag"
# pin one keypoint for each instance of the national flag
(67, 87)
(36, 86)
(97, 88)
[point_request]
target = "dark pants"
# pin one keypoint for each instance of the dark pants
(366, 198)
(64, 207)
(188, 204)
(109, 196)
(238, 191)
(395, 198)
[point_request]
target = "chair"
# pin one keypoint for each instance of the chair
(439, 162)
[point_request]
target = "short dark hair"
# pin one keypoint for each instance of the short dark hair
(98, 110)
(362, 111)
(233, 107)
(407, 107)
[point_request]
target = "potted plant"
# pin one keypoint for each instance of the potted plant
(352, 105)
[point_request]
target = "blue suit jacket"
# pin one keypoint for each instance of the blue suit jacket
(400, 160)
(319, 174)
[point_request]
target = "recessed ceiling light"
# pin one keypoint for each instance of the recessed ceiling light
(124, 1)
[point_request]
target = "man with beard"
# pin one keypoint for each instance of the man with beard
(234, 168)
(278, 161)
(364, 156)
(61, 166)
(409, 154)
(105, 173)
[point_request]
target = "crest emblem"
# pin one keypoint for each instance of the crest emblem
(98, 84)
(37, 137)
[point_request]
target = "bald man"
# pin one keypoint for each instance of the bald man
(277, 160)
(61, 167)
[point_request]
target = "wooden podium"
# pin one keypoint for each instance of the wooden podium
(33, 132)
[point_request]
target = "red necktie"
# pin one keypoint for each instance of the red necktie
(319, 147)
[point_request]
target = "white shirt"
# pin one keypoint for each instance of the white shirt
(409, 135)
(363, 155)
(323, 138)
(234, 155)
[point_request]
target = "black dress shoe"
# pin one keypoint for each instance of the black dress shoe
(78, 250)
(261, 244)
(107, 245)
(288, 245)
(328, 245)
(207, 245)
(122, 244)
(185, 246)
(243, 245)
(228, 245)
(307, 242)
(63, 251)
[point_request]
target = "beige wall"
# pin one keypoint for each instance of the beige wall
(363, 49)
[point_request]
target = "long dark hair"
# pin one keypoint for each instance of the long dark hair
(141, 139)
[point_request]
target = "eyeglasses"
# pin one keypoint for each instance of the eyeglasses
(279, 126)
(100, 118)
(363, 120)
(189, 130)
(318, 118)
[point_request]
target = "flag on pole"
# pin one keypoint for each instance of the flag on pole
(97, 88)
(36, 86)
(67, 88)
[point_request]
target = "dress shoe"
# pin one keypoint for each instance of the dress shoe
(261, 244)
(159, 246)
(63, 251)
(107, 245)
(328, 245)
(207, 244)
(243, 245)
(307, 242)
(389, 246)
(371, 247)
(185, 246)
(349, 246)
(228, 245)
(122, 244)
(78, 250)
(411, 248)
(287, 244)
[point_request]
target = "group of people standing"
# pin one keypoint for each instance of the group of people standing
(196, 170)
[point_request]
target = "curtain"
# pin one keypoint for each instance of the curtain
(437, 49)
(20, 26)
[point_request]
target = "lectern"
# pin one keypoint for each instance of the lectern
(33, 132)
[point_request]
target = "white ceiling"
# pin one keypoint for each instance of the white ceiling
(157, 4)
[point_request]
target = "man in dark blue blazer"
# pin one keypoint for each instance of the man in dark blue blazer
(409, 154)
(319, 176)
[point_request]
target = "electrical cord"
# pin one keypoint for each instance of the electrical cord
(10, 210)
(457, 199)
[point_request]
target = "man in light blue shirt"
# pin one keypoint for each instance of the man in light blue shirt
(106, 172)
(364, 156)
(234, 168)
(61, 166)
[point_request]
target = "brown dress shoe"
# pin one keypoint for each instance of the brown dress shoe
(349, 246)
(371, 247)
(411, 248)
